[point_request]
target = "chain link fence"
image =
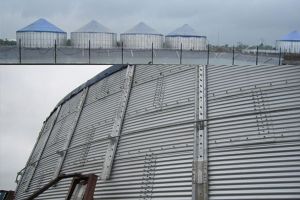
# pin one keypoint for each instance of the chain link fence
(71, 55)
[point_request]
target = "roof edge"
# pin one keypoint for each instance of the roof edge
(287, 40)
(92, 32)
(142, 34)
(20, 31)
(107, 72)
(199, 36)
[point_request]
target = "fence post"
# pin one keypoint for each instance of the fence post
(279, 60)
(207, 54)
(256, 55)
(180, 58)
(152, 53)
(20, 51)
(54, 51)
(122, 54)
(89, 51)
(233, 55)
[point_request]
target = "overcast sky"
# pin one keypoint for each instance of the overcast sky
(27, 96)
(223, 21)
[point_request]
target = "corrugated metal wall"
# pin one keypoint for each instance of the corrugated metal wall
(36, 154)
(142, 41)
(97, 40)
(288, 46)
(155, 151)
(253, 132)
(89, 142)
(247, 130)
(188, 43)
(44, 168)
(41, 39)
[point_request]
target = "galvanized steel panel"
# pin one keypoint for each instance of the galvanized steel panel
(51, 153)
(142, 41)
(288, 46)
(188, 43)
(93, 40)
(253, 132)
(155, 152)
(90, 140)
(41, 39)
(247, 115)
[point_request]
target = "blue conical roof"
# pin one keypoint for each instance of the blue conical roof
(94, 27)
(184, 31)
(292, 36)
(41, 25)
(142, 28)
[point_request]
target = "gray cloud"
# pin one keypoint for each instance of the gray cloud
(27, 96)
(233, 20)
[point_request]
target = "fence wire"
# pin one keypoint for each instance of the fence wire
(71, 55)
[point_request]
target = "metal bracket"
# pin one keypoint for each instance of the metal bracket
(200, 146)
(69, 138)
(20, 173)
(117, 126)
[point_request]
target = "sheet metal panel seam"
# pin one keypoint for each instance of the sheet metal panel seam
(165, 165)
(67, 144)
(254, 113)
(45, 144)
(195, 186)
(117, 126)
(243, 172)
(269, 86)
(184, 123)
(164, 72)
(132, 132)
(205, 130)
(200, 183)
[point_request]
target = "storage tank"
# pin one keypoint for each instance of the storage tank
(41, 34)
(98, 35)
(289, 43)
(142, 36)
(174, 132)
(186, 36)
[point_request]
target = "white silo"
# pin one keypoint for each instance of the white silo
(186, 36)
(289, 43)
(41, 34)
(98, 35)
(142, 36)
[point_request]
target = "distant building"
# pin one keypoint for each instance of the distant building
(98, 35)
(186, 36)
(289, 43)
(142, 36)
(41, 34)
